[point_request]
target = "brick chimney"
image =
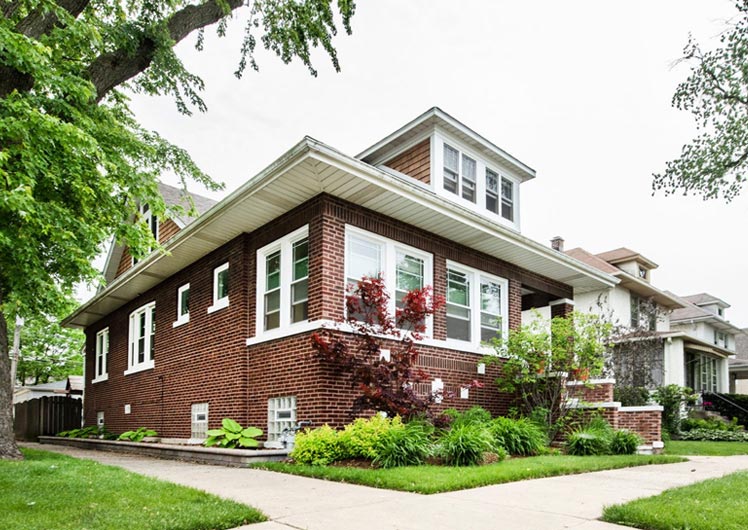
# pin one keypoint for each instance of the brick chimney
(557, 243)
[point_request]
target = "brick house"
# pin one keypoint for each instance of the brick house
(221, 326)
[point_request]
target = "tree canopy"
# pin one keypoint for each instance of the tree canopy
(74, 162)
(715, 162)
(49, 352)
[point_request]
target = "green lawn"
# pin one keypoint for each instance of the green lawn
(675, 447)
(50, 490)
(436, 479)
(719, 503)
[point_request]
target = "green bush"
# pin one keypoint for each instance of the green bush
(624, 442)
(317, 447)
(360, 438)
(475, 414)
(92, 431)
(465, 444)
(587, 442)
(690, 424)
(137, 435)
(407, 445)
(231, 435)
(714, 436)
(631, 396)
(519, 437)
(672, 398)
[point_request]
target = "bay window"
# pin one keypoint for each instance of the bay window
(477, 305)
(142, 333)
(283, 282)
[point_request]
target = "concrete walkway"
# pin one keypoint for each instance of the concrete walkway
(573, 501)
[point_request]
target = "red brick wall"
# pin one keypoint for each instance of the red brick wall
(207, 360)
(648, 424)
(415, 162)
(597, 393)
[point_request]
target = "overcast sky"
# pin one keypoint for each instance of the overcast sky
(580, 91)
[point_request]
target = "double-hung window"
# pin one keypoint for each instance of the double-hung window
(283, 282)
(402, 268)
(183, 305)
(507, 199)
(460, 172)
(142, 338)
(220, 288)
(102, 353)
(477, 305)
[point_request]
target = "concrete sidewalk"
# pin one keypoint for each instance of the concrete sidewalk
(573, 501)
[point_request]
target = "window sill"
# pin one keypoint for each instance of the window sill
(181, 322)
(100, 379)
(294, 329)
(218, 305)
(140, 368)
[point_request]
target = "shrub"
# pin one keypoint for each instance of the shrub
(587, 442)
(360, 438)
(232, 435)
(464, 445)
(475, 414)
(631, 396)
(519, 437)
(92, 431)
(714, 436)
(317, 447)
(624, 442)
(408, 445)
(730, 406)
(690, 424)
(137, 435)
(672, 397)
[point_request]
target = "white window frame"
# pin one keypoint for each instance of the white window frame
(474, 277)
(133, 365)
(219, 303)
(101, 351)
(285, 246)
(439, 139)
(182, 319)
(390, 250)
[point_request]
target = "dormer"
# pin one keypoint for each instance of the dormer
(709, 303)
(456, 163)
(630, 262)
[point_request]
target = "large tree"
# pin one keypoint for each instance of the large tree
(74, 162)
(715, 162)
(49, 352)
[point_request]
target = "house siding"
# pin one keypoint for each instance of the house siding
(414, 162)
(207, 360)
(166, 230)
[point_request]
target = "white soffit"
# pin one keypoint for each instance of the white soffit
(306, 170)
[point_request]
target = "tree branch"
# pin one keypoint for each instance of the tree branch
(38, 23)
(114, 68)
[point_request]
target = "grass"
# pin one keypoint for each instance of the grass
(706, 448)
(50, 490)
(436, 479)
(717, 503)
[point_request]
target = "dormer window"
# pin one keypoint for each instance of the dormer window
(507, 199)
(642, 273)
(721, 312)
(492, 195)
(460, 178)
(151, 220)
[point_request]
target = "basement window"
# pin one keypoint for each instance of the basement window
(281, 415)
(199, 421)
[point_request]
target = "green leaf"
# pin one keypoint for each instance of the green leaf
(251, 432)
(248, 442)
(231, 425)
(215, 432)
(233, 436)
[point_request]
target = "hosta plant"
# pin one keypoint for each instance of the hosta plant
(232, 435)
(137, 435)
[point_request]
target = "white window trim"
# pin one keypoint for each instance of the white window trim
(181, 319)
(147, 364)
(147, 215)
(218, 303)
(437, 180)
(475, 276)
(389, 259)
(98, 378)
(285, 245)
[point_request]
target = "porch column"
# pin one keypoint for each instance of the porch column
(562, 307)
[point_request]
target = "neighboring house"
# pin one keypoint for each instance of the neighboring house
(72, 387)
(691, 332)
(739, 365)
(708, 341)
(221, 326)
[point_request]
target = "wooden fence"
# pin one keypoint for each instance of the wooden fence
(46, 416)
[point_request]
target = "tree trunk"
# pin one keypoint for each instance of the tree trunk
(8, 448)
